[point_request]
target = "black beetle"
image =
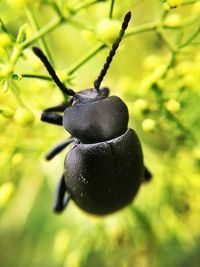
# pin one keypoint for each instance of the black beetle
(104, 168)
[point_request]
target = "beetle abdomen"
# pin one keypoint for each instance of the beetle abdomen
(104, 177)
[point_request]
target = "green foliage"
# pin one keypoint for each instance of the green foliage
(157, 73)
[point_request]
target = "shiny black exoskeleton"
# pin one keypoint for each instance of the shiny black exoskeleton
(104, 168)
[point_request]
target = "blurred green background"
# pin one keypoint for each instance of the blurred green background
(156, 71)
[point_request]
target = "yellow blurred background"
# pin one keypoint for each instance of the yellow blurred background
(156, 71)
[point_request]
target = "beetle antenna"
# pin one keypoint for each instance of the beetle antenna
(112, 52)
(38, 52)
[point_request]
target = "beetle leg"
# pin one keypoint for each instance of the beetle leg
(58, 108)
(60, 201)
(147, 175)
(52, 118)
(49, 115)
(57, 149)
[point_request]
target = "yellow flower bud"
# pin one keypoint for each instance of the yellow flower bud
(184, 67)
(88, 35)
(6, 191)
(17, 158)
(173, 106)
(189, 80)
(71, 4)
(107, 30)
(5, 39)
(196, 153)
(152, 61)
(166, 6)
(174, 3)
(172, 20)
(148, 125)
(140, 105)
(24, 117)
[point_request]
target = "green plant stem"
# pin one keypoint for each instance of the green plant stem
(185, 23)
(171, 60)
(14, 57)
(85, 5)
(35, 24)
(190, 39)
(164, 14)
(4, 28)
(182, 128)
(85, 58)
(18, 48)
(56, 8)
(79, 25)
(36, 76)
(16, 92)
(111, 8)
(186, 2)
(143, 28)
(170, 63)
(55, 23)
(74, 67)
(168, 44)
(46, 29)
(167, 114)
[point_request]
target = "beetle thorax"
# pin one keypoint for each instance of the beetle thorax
(94, 117)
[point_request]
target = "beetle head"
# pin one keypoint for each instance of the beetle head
(89, 96)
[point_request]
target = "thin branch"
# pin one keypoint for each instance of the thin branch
(36, 76)
(186, 2)
(182, 127)
(111, 8)
(34, 22)
(143, 28)
(168, 44)
(16, 92)
(46, 29)
(85, 58)
(85, 5)
(190, 39)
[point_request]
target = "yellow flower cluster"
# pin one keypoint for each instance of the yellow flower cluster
(107, 30)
